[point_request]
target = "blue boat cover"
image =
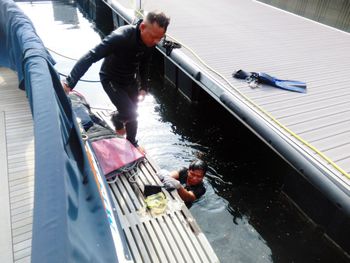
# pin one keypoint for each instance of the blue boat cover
(70, 223)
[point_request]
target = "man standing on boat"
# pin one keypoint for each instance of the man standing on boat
(124, 73)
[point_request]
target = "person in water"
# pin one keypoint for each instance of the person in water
(124, 74)
(187, 181)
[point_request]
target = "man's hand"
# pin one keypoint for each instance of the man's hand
(66, 88)
(142, 94)
(162, 174)
(171, 183)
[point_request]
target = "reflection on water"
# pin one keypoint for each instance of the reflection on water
(244, 214)
(335, 13)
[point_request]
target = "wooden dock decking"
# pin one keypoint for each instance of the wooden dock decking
(16, 171)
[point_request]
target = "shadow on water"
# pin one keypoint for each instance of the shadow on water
(244, 213)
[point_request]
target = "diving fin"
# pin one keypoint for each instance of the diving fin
(292, 85)
(263, 78)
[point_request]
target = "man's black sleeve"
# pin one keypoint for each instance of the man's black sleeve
(144, 70)
(106, 47)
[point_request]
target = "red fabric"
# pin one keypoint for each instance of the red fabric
(115, 153)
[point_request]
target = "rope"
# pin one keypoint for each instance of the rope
(61, 54)
(84, 80)
(125, 169)
(61, 74)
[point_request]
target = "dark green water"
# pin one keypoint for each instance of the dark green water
(244, 213)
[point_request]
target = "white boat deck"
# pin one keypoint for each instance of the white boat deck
(16, 171)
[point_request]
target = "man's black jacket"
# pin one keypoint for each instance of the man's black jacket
(125, 56)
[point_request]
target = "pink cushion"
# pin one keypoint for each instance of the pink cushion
(114, 154)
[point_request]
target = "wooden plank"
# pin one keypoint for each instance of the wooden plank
(186, 251)
(138, 233)
(22, 209)
(155, 241)
(119, 199)
(130, 190)
(170, 254)
(184, 236)
(121, 210)
(26, 185)
(22, 216)
(21, 230)
(20, 150)
(27, 195)
(134, 237)
(22, 237)
(23, 154)
(19, 169)
(5, 217)
(25, 180)
(125, 194)
(21, 175)
(20, 163)
(22, 245)
(26, 259)
(190, 236)
(19, 144)
(147, 245)
(21, 192)
(138, 237)
(22, 222)
(23, 253)
(23, 203)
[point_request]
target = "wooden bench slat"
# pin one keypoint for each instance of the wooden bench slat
(187, 236)
(24, 196)
(23, 253)
(22, 216)
(22, 245)
(26, 185)
(191, 238)
(119, 199)
(21, 175)
(155, 241)
(171, 256)
(21, 230)
(26, 259)
(178, 238)
(22, 237)
(134, 196)
(21, 181)
(138, 238)
(22, 222)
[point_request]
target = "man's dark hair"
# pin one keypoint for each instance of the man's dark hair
(158, 17)
(198, 165)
